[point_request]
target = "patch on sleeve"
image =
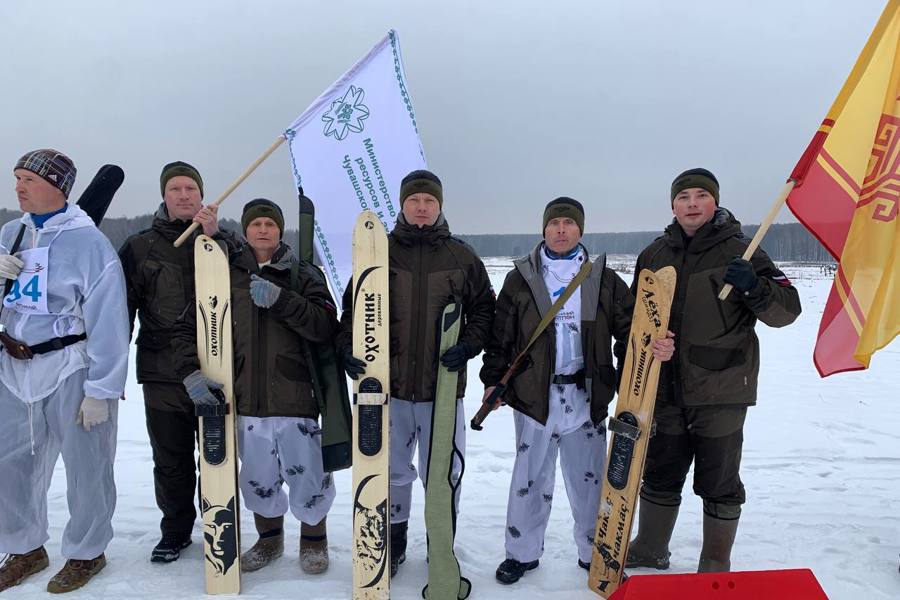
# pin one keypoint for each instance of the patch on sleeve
(781, 279)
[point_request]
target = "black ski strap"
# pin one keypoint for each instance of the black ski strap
(15, 248)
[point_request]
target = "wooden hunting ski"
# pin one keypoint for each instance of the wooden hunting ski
(630, 428)
(371, 397)
(218, 453)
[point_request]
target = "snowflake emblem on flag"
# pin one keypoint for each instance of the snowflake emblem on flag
(346, 114)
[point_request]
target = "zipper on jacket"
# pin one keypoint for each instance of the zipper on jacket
(415, 331)
(715, 290)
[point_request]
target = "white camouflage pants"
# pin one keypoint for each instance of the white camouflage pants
(411, 426)
(278, 450)
(25, 476)
(582, 454)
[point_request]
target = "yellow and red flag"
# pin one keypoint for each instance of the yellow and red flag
(847, 193)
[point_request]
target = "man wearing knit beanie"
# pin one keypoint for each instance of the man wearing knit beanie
(429, 267)
(61, 378)
(160, 284)
(703, 395)
(561, 399)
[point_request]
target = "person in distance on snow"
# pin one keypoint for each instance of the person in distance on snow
(428, 268)
(561, 396)
(279, 438)
(704, 392)
(63, 367)
(160, 284)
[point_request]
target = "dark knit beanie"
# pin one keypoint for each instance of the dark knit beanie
(51, 165)
(174, 169)
(565, 207)
(262, 208)
(422, 181)
(696, 178)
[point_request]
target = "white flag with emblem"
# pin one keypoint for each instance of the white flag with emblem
(351, 148)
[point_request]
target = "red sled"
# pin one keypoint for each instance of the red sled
(791, 584)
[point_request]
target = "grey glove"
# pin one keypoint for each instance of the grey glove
(200, 388)
(93, 412)
(264, 292)
(10, 266)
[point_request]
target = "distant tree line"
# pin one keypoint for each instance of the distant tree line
(784, 241)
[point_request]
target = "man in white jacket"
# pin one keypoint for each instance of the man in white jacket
(62, 369)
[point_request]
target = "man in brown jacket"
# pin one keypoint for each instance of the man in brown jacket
(705, 390)
(561, 394)
(279, 438)
(428, 269)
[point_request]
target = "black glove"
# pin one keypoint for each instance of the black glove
(455, 357)
(741, 275)
(352, 365)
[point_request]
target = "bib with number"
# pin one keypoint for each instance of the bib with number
(28, 293)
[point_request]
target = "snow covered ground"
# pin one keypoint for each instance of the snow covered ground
(821, 467)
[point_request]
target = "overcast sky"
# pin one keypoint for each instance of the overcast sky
(517, 102)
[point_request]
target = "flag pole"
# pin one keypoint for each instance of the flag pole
(763, 228)
(184, 236)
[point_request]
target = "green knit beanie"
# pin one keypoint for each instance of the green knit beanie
(696, 178)
(564, 207)
(422, 181)
(261, 207)
(174, 169)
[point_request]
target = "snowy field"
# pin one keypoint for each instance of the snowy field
(821, 467)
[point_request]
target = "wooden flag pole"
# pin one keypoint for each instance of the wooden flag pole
(763, 228)
(233, 186)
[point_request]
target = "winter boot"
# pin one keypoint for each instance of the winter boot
(268, 547)
(314, 548)
(510, 570)
(651, 546)
(169, 547)
(398, 545)
(718, 538)
(17, 567)
(75, 574)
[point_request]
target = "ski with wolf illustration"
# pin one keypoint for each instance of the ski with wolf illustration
(371, 396)
(218, 452)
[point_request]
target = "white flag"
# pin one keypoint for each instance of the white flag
(351, 148)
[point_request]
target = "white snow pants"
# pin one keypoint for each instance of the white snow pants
(582, 454)
(275, 450)
(25, 477)
(411, 426)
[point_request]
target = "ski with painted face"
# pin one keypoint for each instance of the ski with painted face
(371, 397)
(219, 501)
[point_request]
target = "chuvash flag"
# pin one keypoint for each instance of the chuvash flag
(847, 192)
(351, 148)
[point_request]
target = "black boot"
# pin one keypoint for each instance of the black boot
(398, 546)
(169, 547)
(511, 570)
(651, 546)
(718, 538)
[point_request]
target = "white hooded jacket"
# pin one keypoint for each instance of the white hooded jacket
(85, 294)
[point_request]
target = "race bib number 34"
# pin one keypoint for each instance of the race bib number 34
(28, 293)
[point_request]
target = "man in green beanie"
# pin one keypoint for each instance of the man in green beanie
(704, 392)
(561, 398)
(160, 285)
(428, 268)
(279, 438)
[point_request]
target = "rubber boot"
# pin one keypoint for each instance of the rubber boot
(314, 548)
(398, 545)
(268, 547)
(650, 548)
(718, 538)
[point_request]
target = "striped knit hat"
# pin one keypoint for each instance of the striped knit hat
(51, 165)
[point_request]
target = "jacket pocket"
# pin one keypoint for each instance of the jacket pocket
(716, 359)
(291, 368)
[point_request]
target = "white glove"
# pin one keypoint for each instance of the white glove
(10, 266)
(93, 412)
